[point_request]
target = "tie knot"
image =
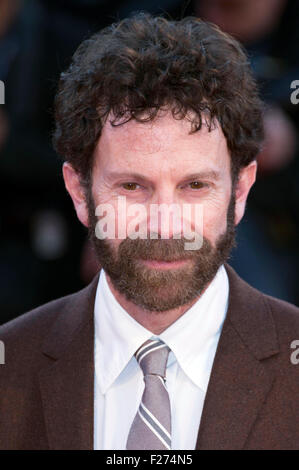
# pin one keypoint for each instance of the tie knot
(152, 357)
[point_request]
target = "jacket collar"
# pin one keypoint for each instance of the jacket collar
(250, 314)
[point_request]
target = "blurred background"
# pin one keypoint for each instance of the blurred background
(44, 251)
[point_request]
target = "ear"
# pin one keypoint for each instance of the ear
(75, 190)
(246, 179)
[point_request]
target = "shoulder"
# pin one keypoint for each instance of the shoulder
(23, 337)
(255, 304)
(285, 315)
(36, 320)
(26, 333)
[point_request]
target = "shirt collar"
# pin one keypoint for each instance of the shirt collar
(192, 338)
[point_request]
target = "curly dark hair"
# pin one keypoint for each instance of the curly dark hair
(141, 64)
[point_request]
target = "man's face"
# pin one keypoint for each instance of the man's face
(159, 162)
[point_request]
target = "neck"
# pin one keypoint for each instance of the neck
(156, 322)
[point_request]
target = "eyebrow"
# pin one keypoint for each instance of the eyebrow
(209, 174)
(131, 175)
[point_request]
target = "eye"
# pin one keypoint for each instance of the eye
(130, 186)
(197, 185)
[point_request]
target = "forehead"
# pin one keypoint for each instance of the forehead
(165, 141)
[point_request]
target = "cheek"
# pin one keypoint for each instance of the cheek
(214, 222)
(116, 215)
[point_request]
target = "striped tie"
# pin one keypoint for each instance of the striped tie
(151, 428)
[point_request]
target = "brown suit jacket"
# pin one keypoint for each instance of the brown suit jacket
(252, 401)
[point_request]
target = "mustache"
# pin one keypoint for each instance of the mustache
(158, 249)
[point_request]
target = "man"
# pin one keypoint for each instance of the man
(167, 348)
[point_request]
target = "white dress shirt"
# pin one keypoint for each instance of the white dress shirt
(119, 384)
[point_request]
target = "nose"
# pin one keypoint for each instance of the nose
(165, 214)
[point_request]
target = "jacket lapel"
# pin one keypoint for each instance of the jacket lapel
(239, 381)
(67, 383)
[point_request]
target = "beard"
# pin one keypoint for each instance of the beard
(158, 290)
